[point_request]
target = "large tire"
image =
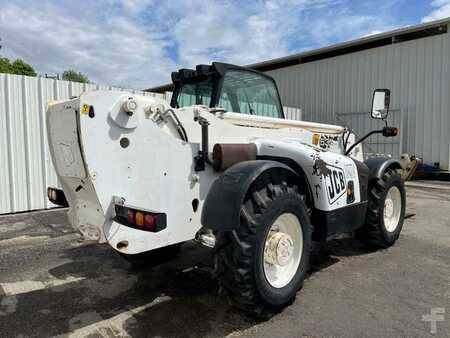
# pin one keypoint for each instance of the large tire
(386, 198)
(241, 253)
(152, 258)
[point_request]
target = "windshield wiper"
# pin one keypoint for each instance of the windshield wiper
(250, 108)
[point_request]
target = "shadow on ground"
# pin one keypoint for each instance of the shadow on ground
(104, 287)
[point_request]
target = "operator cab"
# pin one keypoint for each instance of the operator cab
(228, 87)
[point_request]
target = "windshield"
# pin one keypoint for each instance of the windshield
(249, 93)
(196, 93)
(240, 91)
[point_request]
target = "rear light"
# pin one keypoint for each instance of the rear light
(140, 219)
(56, 196)
(150, 222)
(131, 216)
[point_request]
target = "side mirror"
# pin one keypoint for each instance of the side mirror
(380, 103)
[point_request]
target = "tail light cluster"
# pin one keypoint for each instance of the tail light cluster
(56, 196)
(139, 219)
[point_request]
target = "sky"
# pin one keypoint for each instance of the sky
(137, 44)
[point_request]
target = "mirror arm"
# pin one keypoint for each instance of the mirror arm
(361, 140)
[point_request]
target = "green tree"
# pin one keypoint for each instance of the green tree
(20, 67)
(72, 75)
(5, 65)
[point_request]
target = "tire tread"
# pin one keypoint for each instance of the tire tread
(236, 256)
(371, 233)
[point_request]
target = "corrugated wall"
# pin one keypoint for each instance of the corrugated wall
(26, 169)
(25, 163)
(416, 71)
(292, 113)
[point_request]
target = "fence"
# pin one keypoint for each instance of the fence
(25, 163)
(292, 113)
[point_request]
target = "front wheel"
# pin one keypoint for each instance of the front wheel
(386, 211)
(265, 260)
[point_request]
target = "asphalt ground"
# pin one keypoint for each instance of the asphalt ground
(51, 284)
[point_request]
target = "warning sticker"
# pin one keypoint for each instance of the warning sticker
(85, 109)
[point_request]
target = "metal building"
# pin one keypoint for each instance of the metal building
(335, 85)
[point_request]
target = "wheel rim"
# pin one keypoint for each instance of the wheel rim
(283, 249)
(392, 208)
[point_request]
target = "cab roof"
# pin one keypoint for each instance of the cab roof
(215, 70)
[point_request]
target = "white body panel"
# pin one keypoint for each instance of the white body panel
(156, 171)
(323, 170)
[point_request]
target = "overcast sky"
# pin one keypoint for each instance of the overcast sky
(132, 43)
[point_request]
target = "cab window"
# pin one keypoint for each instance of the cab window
(196, 93)
(249, 93)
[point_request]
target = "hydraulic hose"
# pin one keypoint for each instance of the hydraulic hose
(179, 126)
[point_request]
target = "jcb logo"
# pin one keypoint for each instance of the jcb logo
(335, 183)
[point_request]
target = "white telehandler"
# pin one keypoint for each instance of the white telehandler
(221, 164)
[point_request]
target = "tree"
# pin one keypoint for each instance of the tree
(72, 75)
(20, 67)
(5, 65)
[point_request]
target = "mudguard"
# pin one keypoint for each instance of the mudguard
(378, 165)
(221, 210)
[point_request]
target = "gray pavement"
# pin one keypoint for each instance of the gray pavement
(51, 284)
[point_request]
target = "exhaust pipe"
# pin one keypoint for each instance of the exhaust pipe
(226, 155)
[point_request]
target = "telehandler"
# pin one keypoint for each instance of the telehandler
(220, 164)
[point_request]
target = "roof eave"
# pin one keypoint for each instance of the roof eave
(355, 42)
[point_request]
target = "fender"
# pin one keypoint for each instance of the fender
(221, 210)
(378, 166)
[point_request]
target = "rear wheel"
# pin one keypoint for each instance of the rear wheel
(265, 260)
(386, 211)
